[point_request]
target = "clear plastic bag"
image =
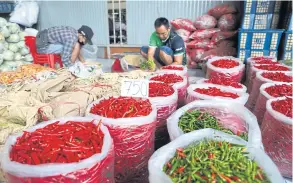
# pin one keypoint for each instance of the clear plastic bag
(203, 34)
(276, 132)
(193, 96)
(134, 143)
(164, 154)
(97, 168)
(221, 10)
(205, 22)
(201, 44)
(242, 89)
(184, 34)
(89, 52)
(183, 23)
(234, 74)
(227, 22)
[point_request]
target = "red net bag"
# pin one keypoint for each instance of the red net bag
(132, 124)
(227, 22)
(218, 52)
(200, 44)
(179, 82)
(205, 22)
(214, 92)
(227, 67)
(276, 132)
(219, 36)
(203, 34)
(184, 34)
(174, 69)
(266, 77)
(224, 82)
(73, 161)
(221, 10)
(270, 91)
(183, 23)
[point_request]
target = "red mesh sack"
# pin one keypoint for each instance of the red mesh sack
(133, 136)
(219, 36)
(220, 52)
(203, 34)
(205, 22)
(221, 10)
(227, 22)
(183, 23)
(276, 130)
(266, 77)
(96, 168)
(270, 91)
(225, 44)
(184, 34)
(200, 44)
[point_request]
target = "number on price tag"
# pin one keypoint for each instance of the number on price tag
(135, 88)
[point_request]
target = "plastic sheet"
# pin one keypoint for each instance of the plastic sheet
(184, 34)
(276, 132)
(192, 95)
(234, 74)
(134, 144)
(221, 10)
(260, 106)
(204, 34)
(205, 22)
(227, 22)
(201, 44)
(242, 89)
(259, 80)
(164, 154)
(97, 168)
(183, 23)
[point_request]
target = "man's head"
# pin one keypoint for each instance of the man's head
(85, 35)
(162, 27)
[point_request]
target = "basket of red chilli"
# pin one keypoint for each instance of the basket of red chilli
(132, 124)
(71, 149)
(174, 69)
(225, 67)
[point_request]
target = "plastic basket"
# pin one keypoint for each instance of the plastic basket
(286, 46)
(243, 54)
(260, 21)
(262, 6)
(6, 7)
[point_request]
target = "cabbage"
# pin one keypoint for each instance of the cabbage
(13, 47)
(17, 56)
(6, 45)
(24, 51)
(8, 55)
(21, 44)
(2, 47)
(4, 31)
(13, 28)
(22, 35)
(8, 66)
(28, 58)
(19, 63)
(13, 38)
(4, 68)
(2, 38)
(1, 59)
(3, 22)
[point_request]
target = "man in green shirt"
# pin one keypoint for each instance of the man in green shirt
(166, 47)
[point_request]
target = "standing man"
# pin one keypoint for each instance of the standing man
(166, 47)
(64, 40)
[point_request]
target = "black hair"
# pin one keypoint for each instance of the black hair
(162, 21)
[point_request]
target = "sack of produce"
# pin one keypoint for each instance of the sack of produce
(200, 44)
(221, 10)
(211, 156)
(227, 22)
(276, 131)
(183, 23)
(174, 69)
(228, 67)
(132, 124)
(184, 34)
(179, 82)
(205, 22)
(220, 52)
(64, 150)
(204, 34)
(226, 43)
(196, 54)
(214, 92)
(222, 35)
(263, 67)
(270, 91)
(224, 82)
(266, 77)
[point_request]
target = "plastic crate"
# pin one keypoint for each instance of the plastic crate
(286, 46)
(262, 6)
(243, 55)
(287, 22)
(6, 7)
(259, 39)
(260, 21)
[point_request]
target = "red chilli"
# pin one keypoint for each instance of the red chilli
(277, 76)
(168, 78)
(224, 82)
(213, 91)
(225, 63)
(170, 67)
(160, 90)
(280, 90)
(283, 106)
(272, 67)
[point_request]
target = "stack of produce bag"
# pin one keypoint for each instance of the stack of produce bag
(276, 131)
(266, 77)
(87, 153)
(226, 159)
(13, 51)
(229, 117)
(225, 67)
(178, 81)
(132, 124)
(214, 92)
(165, 98)
(270, 91)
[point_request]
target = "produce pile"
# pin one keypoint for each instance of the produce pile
(213, 91)
(283, 106)
(160, 89)
(168, 78)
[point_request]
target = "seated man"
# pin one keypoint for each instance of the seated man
(166, 47)
(64, 40)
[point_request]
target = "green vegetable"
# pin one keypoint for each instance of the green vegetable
(24, 51)
(8, 55)
(1, 59)
(13, 38)
(21, 35)
(196, 119)
(21, 44)
(17, 56)
(213, 161)
(13, 28)
(3, 22)
(28, 58)
(4, 31)
(13, 47)
(148, 65)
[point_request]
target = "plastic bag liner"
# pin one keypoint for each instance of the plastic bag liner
(134, 144)
(89, 51)
(276, 132)
(164, 154)
(260, 106)
(243, 89)
(256, 86)
(178, 72)
(231, 115)
(192, 95)
(97, 168)
(234, 74)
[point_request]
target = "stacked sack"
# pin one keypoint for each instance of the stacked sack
(209, 35)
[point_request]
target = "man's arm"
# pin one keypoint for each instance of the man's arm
(67, 52)
(80, 57)
(179, 49)
(178, 60)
